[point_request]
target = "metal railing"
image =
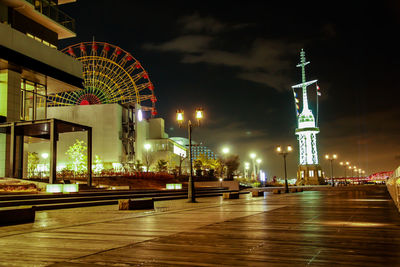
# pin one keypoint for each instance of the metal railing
(51, 10)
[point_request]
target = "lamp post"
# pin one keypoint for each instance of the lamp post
(225, 151)
(344, 164)
(258, 166)
(147, 148)
(246, 169)
(331, 159)
(180, 118)
(284, 153)
(253, 156)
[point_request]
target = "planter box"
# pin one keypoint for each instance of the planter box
(257, 193)
(136, 204)
(17, 215)
(231, 195)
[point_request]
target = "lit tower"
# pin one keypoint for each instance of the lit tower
(309, 171)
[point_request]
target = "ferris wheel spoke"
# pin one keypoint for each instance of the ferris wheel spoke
(111, 75)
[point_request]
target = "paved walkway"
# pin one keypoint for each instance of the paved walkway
(318, 228)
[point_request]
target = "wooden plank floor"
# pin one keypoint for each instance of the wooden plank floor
(359, 227)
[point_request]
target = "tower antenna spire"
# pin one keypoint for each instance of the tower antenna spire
(309, 171)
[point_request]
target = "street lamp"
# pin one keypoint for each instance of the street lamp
(284, 153)
(344, 164)
(225, 151)
(180, 118)
(246, 169)
(258, 165)
(147, 148)
(253, 156)
(331, 159)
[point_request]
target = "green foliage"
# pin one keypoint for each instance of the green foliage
(162, 165)
(232, 164)
(138, 165)
(98, 165)
(78, 156)
(33, 161)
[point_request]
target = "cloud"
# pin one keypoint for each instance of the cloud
(196, 23)
(183, 44)
(265, 61)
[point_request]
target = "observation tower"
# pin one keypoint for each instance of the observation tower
(309, 171)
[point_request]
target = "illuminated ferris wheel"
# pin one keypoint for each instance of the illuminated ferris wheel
(111, 75)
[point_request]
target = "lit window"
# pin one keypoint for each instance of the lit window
(311, 173)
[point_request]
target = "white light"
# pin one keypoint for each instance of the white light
(259, 161)
(262, 176)
(253, 155)
(147, 146)
(45, 155)
(225, 150)
(140, 115)
(179, 151)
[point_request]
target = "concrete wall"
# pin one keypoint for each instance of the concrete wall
(106, 121)
(232, 185)
(10, 94)
(25, 45)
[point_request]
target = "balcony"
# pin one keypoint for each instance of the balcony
(46, 13)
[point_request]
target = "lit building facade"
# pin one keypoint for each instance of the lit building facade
(31, 67)
(309, 171)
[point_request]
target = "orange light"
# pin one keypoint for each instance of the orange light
(179, 115)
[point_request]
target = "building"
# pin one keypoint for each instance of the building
(198, 149)
(31, 67)
(309, 171)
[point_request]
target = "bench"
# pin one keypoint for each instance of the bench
(17, 215)
(257, 193)
(293, 190)
(136, 204)
(299, 189)
(231, 195)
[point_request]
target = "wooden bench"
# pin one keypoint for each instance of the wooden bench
(231, 195)
(293, 190)
(299, 189)
(257, 193)
(136, 204)
(17, 215)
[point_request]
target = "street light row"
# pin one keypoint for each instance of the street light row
(345, 164)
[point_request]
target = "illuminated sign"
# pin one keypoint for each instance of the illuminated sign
(179, 151)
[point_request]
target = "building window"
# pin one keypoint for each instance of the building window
(302, 174)
(33, 101)
(311, 173)
(319, 173)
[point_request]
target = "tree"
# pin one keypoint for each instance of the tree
(148, 160)
(98, 165)
(232, 164)
(138, 165)
(33, 161)
(77, 154)
(162, 165)
(181, 160)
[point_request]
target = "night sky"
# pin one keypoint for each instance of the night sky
(238, 61)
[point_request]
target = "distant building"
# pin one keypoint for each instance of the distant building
(197, 149)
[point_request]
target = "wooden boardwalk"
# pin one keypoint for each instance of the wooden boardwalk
(359, 227)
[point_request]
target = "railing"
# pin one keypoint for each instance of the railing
(50, 9)
(393, 185)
